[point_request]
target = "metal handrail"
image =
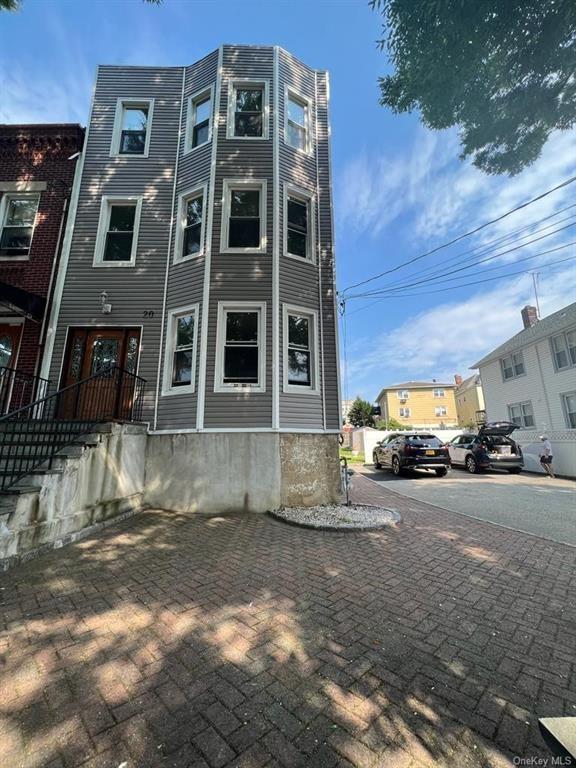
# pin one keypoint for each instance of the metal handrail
(18, 389)
(33, 435)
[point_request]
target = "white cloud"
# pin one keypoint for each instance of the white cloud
(448, 338)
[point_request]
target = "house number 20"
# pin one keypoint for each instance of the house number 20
(148, 313)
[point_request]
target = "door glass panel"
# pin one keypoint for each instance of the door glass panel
(76, 358)
(131, 354)
(104, 354)
(5, 350)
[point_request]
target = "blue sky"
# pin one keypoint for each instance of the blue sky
(399, 189)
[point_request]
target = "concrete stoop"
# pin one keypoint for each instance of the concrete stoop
(99, 479)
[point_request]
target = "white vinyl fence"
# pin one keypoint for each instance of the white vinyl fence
(563, 450)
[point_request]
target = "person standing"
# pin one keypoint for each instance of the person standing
(546, 456)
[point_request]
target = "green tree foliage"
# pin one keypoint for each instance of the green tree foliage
(391, 423)
(503, 71)
(360, 413)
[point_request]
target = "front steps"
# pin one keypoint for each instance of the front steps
(98, 478)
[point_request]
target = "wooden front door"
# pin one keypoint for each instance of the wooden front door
(9, 343)
(91, 351)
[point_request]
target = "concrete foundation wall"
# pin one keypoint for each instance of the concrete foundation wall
(100, 483)
(254, 472)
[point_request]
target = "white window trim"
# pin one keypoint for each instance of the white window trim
(564, 335)
(519, 405)
(439, 389)
(121, 103)
(3, 210)
(405, 415)
(312, 314)
(514, 374)
(563, 397)
(439, 408)
(402, 394)
(228, 186)
(173, 315)
(107, 202)
(297, 96)
(233, 306)
(290, 190)
(209, 91)
(183, 198)
(235, 83)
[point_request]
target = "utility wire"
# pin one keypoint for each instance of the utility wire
(436, 278)
(463, 285)
(434, 270)
(461, 237)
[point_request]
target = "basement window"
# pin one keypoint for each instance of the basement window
(17, 218)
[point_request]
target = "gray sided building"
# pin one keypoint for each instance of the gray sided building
(200, 256)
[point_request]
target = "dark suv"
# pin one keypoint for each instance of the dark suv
(412, 450)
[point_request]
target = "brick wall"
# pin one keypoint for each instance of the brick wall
(38, 153)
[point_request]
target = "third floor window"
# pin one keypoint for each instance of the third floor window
(131, 134)
(248, 110)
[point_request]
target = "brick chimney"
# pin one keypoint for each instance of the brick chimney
(457, 379)
(529, 316)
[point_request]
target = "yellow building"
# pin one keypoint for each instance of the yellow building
(469, 399)
(419, 404)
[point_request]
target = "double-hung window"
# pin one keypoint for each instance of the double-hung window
(131, 134)
(521, 414)
(404, 413)
(240, 347)
(403, 394)
(199, 126)
(298, 223)
(17, 219)
(564, 350)
(512, 366)
(117, 237)
(440, 410)
(180, 363)
(297, 121)
(244, 217)
(439, 393)
(248, 110)
(569, 403)
(191, 219)
(300, 355)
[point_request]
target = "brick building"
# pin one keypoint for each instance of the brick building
(37, 166)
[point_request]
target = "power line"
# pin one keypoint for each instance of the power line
(434, 270)
(463, 285)
(461, 237)
(435, 279)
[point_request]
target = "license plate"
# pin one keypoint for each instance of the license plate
(430, 453)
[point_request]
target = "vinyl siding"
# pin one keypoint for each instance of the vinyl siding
(232, 277)
(299, 284)
(185, 280)
(239, 277)
(131, 290)
(541, 385)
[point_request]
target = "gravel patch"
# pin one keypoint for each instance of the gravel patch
(357, 517)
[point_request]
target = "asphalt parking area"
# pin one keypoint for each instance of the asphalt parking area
(526, 502)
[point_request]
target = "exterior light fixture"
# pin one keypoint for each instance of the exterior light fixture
(106, 306)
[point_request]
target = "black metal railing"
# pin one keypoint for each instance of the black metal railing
(32, 436)
(480, 418)
(18, 389)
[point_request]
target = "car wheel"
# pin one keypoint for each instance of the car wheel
(515, 470)
(377, 464)
(471, 465)
(396, 468)
(442, 472)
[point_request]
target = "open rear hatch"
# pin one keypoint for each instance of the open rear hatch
(498, 428)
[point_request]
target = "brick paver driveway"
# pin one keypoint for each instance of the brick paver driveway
(191, 641)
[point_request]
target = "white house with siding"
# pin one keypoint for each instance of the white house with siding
(530, 379)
